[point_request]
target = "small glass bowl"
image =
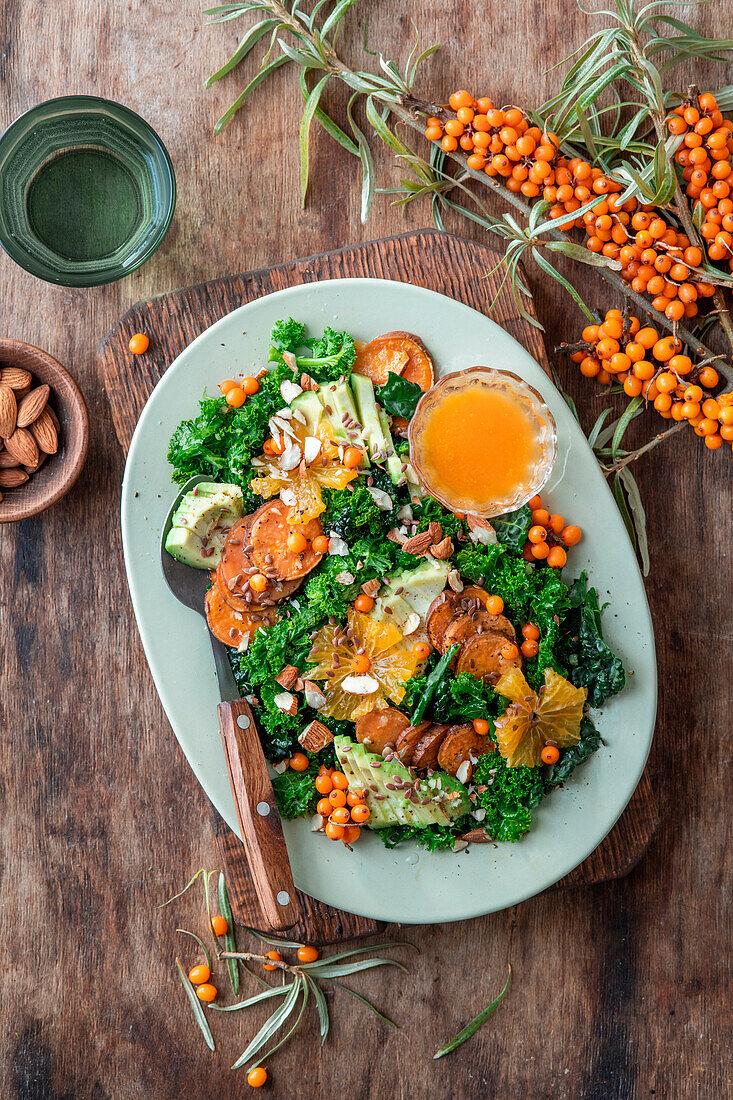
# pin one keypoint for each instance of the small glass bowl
(65, 125)
(531, 403)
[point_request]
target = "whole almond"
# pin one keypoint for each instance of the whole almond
(32, 405)
(22, 446)
(16, 378)
(7, 460)
(45, 433)
(42, 456)
(8, 411)
(11, 479)
(54, 419)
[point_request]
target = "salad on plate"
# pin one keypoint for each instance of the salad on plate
(418, 672)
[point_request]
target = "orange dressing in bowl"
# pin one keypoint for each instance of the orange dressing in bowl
(479, 445)
(482, 441)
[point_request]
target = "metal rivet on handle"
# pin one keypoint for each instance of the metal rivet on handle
(263, 809)
(243, 722)
(283, 897)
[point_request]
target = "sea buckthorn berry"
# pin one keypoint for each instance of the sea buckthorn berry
(219, 925)
(227, 385)
(257, 1077)
(509, 652)
(448, 145)
(258, 582)
(666, 348)
(708, 377)
(537, 534)
(308, 954)
(708, 426)
(339, 781)
(236, 398)
(481, 726)
(540, 550)
(354, 796)
(433, 133)
(530, 632)
(421, 650)
(540, 516)
(530, 649)
(550, 754)
(572, 535)
(139, 343)
(363, 603)
(667, 382)
(632, 385)
(535, 502)
(340, 815)
(324, 807)
(361, 663)
(360, 814)
(557, 557)
(714, 441)
(333, 831)
(320, 544)
(207, 992)
(351, 834)
(249, 386)
(299, 762)
(324, 784)
(693, 393)
(276, 956)
(352, 458)
(198, 975)
(690, 410)
(495, 604)
(337, 798)
(647, 337)
(297, 542)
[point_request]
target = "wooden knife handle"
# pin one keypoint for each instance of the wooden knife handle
(259, 819)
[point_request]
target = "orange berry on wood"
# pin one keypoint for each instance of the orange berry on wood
(139, 343)
(219, 925)
(199, 975)
(207, 992)
(276, 956)
(257, 1077)
(308, 954)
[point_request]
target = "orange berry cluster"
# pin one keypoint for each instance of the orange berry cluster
(656, 258)
(706, 158)
(236, 393)
(547, 540)
(654, 367)
(343, 811)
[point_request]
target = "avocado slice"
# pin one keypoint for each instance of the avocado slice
(420, 586)
(201, 523)
(372, 428)
(444, 798)
(337, 397)
(310, 405)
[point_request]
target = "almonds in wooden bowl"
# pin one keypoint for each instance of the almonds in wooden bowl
(42, 416)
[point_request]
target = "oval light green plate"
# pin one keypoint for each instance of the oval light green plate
(405, 884)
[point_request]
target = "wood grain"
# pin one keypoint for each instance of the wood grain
(429, 259)
(622, 989)
(258, 816)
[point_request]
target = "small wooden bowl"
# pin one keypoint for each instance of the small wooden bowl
(59, 472)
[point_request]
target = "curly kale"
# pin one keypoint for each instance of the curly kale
(434, 838)
(428, 509)
(331, 357)
(351, 515)
(590, 661)
(510, 796)
(295, 792)
(289, 336)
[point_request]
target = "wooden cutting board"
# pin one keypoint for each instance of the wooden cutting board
(461, 269)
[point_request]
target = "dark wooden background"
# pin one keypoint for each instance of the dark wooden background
(620, 989)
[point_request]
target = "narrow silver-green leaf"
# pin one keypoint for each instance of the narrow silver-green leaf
(620, 497)
(358, 951)
(200, 942)
(305, 129)
(324, 1022)
(344, 969)
(230, 943)
(336, 16)
(633, 409)
(554, 274)
(196, 1007)
(250, 39)
(595, 430)
(271, 940)
(367, 164)
(366, 1003)
(472, 1027)
(270, 1026)
(271, 991)
(638, 515)
(299, 1017)
(180, 893)
(254, 83)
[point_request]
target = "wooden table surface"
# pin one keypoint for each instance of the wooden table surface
(620, 989)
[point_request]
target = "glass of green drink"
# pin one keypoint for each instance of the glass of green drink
(87, 191)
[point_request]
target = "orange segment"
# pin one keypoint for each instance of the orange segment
(532, 719)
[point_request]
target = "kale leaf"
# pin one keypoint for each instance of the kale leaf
(332, 356)
(511, 528)
(424, 694)
(590, 741)
(510, 796)
(398, 396)
(591, 663)
(288, 336)
(463, 698)
(434, 838)
(295, 792)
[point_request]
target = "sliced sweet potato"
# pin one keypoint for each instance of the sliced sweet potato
(397, 352)
(269, 540)
(464, 625)
(380, 728)
(231, 626)
(425, 753)
(482, 657)
(237, 598)
(460, 744)
(409, 739)
(235, 561)
(439, 615)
